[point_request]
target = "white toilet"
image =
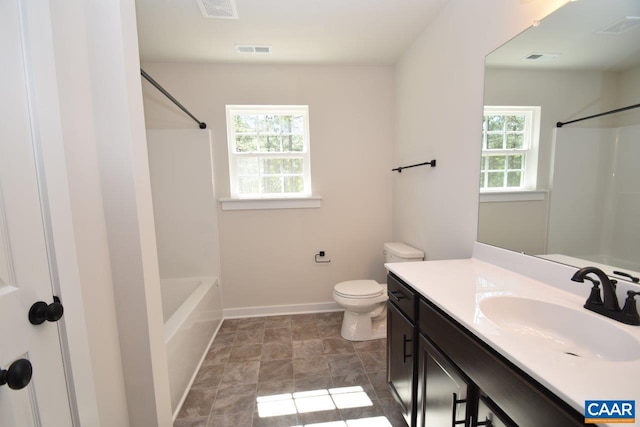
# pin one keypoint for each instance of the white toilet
(364, 301)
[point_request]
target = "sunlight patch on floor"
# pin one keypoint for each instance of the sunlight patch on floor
(361, 422)
(315, 400)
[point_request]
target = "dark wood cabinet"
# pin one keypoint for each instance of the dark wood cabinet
(402, 335)
(490, 415)
(443, 391)
(400, 360)
(456, 379)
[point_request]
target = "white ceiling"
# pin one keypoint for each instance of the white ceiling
(573, 34)
(298, 31)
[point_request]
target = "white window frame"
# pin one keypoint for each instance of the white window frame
(305, 154)
(531, 142)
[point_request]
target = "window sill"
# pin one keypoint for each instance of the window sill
(513, 196)
(281, 203)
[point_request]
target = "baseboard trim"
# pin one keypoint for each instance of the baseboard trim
(277, 310)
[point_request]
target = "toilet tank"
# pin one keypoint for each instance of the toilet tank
(400, 252)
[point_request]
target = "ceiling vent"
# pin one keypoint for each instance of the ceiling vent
(541, 56)
(249, 48)
(625, 24)
(218, 9)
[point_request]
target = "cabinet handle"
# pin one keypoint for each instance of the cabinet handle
(405, 356)
(454, 406)
(396, 297)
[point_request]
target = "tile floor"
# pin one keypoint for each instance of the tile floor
(290, 371)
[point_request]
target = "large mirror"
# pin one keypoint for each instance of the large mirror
(569, 194)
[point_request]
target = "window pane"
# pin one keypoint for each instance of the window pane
(247, 166)
(271, 184)
(270, 143)
(246, 144)
(495, 141)
(496, 179)
(272, 166)
(515, 123)
(297, 125)
(293, 166)
(245, 123)
(515, 140)
(293, 184)
(514, 179)
(497, 162)
(495, 123)
(292, 143)
(269, 123)
(248, 185)
(515, 162)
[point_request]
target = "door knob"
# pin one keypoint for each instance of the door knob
(18, 375)
(41, 311)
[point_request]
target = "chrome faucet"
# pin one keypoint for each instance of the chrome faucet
(610, 306)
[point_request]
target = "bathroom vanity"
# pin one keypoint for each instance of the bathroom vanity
(471, 343)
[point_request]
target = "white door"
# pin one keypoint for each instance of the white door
(25, 275)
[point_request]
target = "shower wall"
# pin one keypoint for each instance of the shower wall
(183, 202)
(595, 195)
(625, 229)
(187, 240)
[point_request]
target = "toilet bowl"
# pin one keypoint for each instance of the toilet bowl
(364, 301)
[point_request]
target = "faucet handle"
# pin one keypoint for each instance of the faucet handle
(594, 298)
(630, 311)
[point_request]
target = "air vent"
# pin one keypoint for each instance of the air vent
(218, 9)
(541, 57)
(249, 48)
(625, 24)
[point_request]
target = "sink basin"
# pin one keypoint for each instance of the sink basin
(574, 332)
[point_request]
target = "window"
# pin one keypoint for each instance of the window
(509, 148)
(268, 151)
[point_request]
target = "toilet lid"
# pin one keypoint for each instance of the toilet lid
(359, 288)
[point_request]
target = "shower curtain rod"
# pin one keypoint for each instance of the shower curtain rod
(630, 107)
(202, 125)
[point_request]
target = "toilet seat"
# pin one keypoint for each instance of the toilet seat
(358, 289)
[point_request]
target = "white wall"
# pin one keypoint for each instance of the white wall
(102, 223)
(267, 256)
(439, 83)
(184, 207)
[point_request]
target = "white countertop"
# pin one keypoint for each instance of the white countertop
(458, 286)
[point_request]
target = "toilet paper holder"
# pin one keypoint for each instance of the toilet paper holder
(321, 254)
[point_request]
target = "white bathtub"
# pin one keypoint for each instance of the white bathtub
(192, 309)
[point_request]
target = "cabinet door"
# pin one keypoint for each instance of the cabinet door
(444, 393)
(400, 360)
(490, 416)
